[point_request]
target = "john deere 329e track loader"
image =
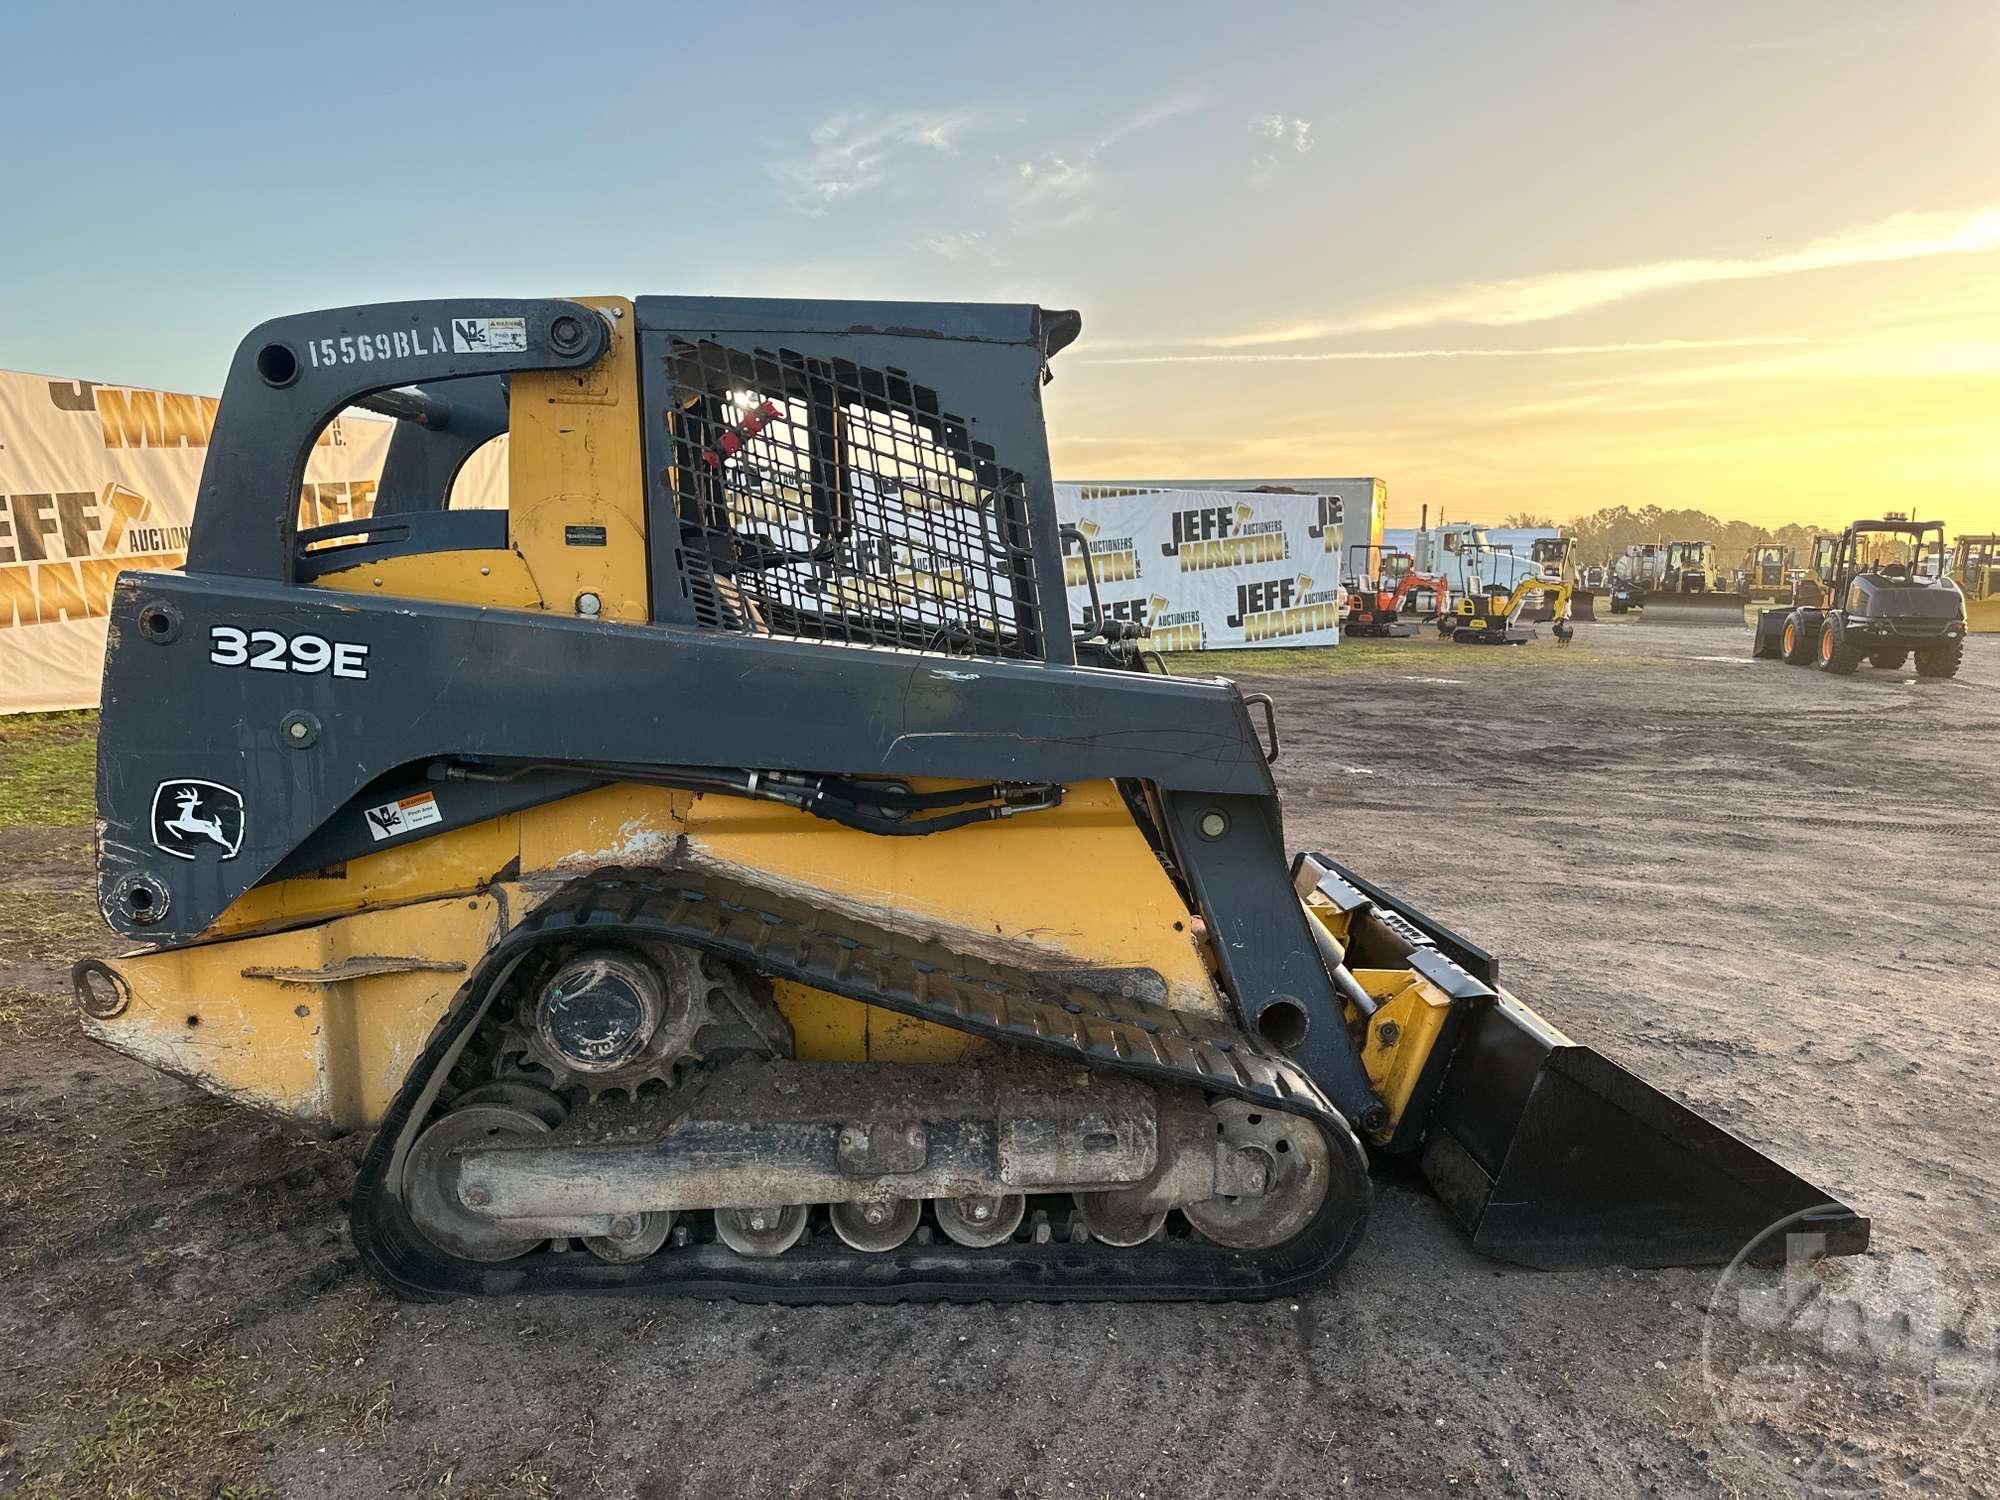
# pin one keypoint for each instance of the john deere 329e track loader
(726, 871)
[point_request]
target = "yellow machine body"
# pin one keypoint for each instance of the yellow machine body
(316, 992)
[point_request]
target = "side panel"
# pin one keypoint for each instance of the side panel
(319, 1024)
(447, 680)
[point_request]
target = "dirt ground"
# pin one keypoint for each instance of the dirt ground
(1768, 892)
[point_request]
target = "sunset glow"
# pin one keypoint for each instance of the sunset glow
(1545, 257)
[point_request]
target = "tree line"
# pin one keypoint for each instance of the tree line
(1605, 534)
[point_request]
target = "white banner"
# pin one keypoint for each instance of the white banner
(1208, 569)
(95, 479)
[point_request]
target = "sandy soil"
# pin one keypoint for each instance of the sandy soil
(1767, 891)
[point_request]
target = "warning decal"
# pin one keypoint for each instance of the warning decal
(489, 335)
(405, 816)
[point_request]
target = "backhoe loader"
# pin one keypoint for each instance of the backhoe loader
(1766, 574)
(1554, 558)
(714, 873)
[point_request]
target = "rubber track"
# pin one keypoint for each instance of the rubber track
(787, 938)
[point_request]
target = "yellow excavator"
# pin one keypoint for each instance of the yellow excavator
(725, 870)
(1490, 614)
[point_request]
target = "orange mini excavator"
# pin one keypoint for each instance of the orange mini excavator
(1378, 596)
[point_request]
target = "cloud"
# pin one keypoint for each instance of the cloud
(1277, 128)
(1054, 191)
(1278, 132)
(961, 246)
(855, 152)
(1146, 118)
(1655, 346)
(1558, 294)
(1866, 360)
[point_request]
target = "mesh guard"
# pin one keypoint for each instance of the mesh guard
(825, 500)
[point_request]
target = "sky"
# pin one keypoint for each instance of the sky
(1536, 257)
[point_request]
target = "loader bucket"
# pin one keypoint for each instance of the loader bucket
(1769, 642)
(1662, 608)
(1552, 1156)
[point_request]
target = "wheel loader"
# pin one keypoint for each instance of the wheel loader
(1878, 593)
(1766, 574)
(715, 874)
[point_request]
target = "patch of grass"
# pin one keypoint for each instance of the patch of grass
(191, 1423)
(26, 1012)
(48, 769)
(175, 1425)
(1422, 653)
(51, 927)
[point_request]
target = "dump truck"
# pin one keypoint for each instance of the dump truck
(1882, 596)
(715, 875)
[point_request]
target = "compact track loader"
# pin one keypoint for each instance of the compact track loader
(714, 873)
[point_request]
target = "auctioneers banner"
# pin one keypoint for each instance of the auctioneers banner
(1207, 569)
(95, 479)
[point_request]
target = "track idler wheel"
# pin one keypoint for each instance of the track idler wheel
(430, 1181)
(1297, 1171)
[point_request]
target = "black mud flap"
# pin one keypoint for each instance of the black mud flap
(1553, 1157)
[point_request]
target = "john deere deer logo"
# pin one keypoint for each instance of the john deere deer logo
(191, 816)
